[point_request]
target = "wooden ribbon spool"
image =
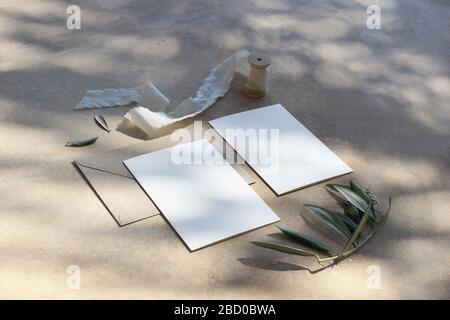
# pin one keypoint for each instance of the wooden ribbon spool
(256, 85)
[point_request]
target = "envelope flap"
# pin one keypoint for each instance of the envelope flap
(115, 186)
(121, 196)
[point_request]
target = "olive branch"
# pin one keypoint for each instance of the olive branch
(357, 225)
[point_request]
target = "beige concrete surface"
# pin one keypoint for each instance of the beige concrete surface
(379, 98)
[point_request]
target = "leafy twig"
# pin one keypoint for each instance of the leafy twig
(361, 202)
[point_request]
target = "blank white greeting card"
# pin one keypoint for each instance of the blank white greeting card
(285, 154)
(203, 198)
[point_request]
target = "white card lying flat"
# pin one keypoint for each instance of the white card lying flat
(205, 200)
(288, 160)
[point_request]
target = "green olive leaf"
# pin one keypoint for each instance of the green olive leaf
(285, 249)
(352, 213)
(351, 225)
(359, 191)
(81, 143)
(359, 229)
(355, 200)
(368, 196)
(324, 216)
(307, 241)
(331, 189)
(101, 123)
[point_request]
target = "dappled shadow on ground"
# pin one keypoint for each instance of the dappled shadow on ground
(378, 98)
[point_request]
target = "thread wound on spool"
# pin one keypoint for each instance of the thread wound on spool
(256, 85)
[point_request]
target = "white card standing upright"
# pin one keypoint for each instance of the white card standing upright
(296, 159)
(203, 198)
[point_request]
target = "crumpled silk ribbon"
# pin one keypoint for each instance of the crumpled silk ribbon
(153, 109)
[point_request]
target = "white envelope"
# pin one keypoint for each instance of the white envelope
(116, 188)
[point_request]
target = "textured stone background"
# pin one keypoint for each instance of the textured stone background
(379, 98)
